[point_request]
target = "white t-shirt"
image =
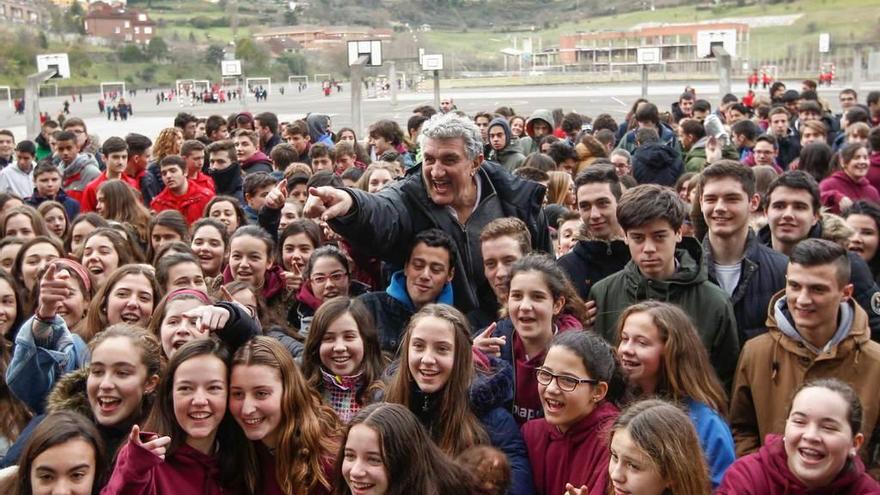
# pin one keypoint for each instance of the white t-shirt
(728, 276)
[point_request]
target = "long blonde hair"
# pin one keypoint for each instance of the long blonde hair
(166, 143)
(309, 434)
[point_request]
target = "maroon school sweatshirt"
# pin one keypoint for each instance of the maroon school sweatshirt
(187, 472)
(579, 456)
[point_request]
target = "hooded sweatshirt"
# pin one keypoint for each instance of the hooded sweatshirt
(258, 162)
(766, 472)
(839, 185)
(579, 456)
(318, 124)
(76, 175)
(530, 144)
(510, 155)
(185, 472)
(657, 163)
(775, 364)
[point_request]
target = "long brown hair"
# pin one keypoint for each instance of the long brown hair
(685, 372)
(96, 318)
(14, 415)
(677, 457)
(309, 434)
(166, 143)
(456, 427)
(415, 465)
(557, 282)
(122, 204)
(372, 365)
(229, 440)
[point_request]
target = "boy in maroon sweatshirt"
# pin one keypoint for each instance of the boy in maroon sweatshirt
(247, 151)
(180, 193)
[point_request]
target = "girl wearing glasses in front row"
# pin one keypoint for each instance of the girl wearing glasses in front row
(579, 384)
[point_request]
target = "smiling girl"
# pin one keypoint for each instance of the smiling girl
(541, 303)
(167, 226)
(295, 436)
(818, 452)
(342, 357)
(129, 296)
(22, 221)
(647, 458)
(251, 261)
(661, 354)
(387, 452)
(14, 416)
(33, 257)
(55, 216)
(210, 241)
(849, 184)
(104, 250)
(227, 211)
(449, 388)
(196, 447)
(579, 384)
(80, 228)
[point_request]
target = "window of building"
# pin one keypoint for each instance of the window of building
(148, 30)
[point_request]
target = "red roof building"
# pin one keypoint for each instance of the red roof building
(119, 23)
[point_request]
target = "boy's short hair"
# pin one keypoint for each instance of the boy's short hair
(796, 179)
(324, 178)
(729, 168)
(282, 155)
(7, 132)
(810, 106)
(436, 238)
(600, 174)
(540, 161)
(561, 151)
(353, 174)
(26, 146)
(746, 128)
(648, 112)
(138, 144)
(46, 167)
(74, 122)
(191, 145)
(321, 150)
(256, 181)
(647, 135)
(345, 148)
(692, 127)
(298, 128)
(511, 227)
(605, 136)
(779, 109)
(222, 146)
(64, 136)
(816, 252)
(173, 161)
(413, 123)
(183, 118)
(648, 202)
(268, 119)
(702, 106)
(214, 123)
(249, 134)
(114, 144)
(768, 138)
(604, 121)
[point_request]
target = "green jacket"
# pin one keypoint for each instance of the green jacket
(690, 289)
(695, 158)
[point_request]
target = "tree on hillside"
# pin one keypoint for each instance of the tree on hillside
(157, 49)
(254, 55)
(214, 54)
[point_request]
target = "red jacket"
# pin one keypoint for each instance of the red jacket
(766, 473)
(90, 194)
(204, 180)
(834, 187)
(579, 456)
(140, 472)
(191, 204)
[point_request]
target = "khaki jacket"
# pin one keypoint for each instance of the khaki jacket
(773, 365)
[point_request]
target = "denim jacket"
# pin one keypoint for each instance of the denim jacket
(37, 363)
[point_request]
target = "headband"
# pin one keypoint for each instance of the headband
(77, 269)
(201, 296)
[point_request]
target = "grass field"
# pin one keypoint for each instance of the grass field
(832, 16)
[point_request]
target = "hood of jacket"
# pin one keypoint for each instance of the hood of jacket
(69, 394)
(258, 157)
(80, 162)
(690, 270)
(604, 414)
(492, 386)
(541, 114)
(657, 156)
(780, 325)
(273, 282)
(773, 457)
(397, 290)
(502, 122)
(785, 323)
(318, 124)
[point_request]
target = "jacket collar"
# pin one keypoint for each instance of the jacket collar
(397, 290)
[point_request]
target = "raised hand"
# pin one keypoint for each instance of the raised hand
(53, 291)
(327, 202)
(209, 318)
(277, 196)
(150, 441)
(293, 279)
(571, 490)
(489, 344)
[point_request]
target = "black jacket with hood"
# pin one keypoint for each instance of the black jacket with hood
(657, 163)
(510, 155)
(591, 261)
(385, 223)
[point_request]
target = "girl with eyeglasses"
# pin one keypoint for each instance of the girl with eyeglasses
(327, 275)
(580, 384)
(457, 394)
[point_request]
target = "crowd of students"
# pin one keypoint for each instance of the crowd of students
(683, 303)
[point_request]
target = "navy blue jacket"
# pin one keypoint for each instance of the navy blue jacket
(865, 289)
(762, 276)
(71, 206)
(591, 261)
(657, 163)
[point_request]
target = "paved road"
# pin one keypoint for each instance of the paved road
(591, 100)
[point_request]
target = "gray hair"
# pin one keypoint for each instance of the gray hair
(451, 126)
(622, 152)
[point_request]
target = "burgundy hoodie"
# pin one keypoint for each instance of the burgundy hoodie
(874, 171)
(579, 456)
(834, 187)
(258, 158)
(140, 472)
(766, 473)
(273, 283)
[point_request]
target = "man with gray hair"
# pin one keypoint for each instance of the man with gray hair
(454, 190)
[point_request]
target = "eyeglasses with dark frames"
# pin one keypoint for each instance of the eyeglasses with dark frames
(566, 383)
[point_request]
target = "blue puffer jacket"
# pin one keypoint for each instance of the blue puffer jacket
(762, 276)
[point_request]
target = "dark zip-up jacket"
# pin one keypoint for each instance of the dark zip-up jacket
(591, 261)
(762, 275)
(384, 224)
